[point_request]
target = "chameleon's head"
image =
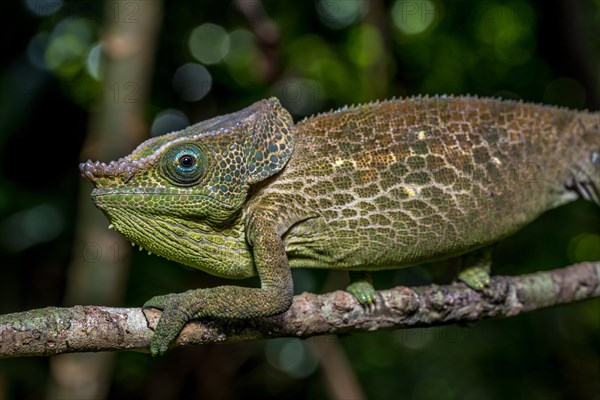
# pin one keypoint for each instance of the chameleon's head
(181, 194)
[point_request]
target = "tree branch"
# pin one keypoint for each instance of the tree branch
(55, 330)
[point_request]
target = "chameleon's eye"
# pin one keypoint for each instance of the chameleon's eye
(183, 164)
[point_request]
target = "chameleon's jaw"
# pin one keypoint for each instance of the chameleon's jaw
(187, 241)
(123, 219)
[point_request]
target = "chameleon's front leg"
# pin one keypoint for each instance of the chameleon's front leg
(273, 297)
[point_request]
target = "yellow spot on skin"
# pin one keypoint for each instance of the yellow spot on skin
(410, 191)
(340, 162)
(390, 158)
(421, 135)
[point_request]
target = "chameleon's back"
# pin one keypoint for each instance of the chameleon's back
(405, 181)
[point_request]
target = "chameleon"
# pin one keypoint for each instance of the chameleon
(388, 184)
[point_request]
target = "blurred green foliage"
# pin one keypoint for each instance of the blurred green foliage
(217, 57)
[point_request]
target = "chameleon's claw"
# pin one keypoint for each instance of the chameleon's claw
(475, 269)
(476, 278)
(171, 322)
(364, 293)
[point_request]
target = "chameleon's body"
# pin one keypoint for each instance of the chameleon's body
(382, 185)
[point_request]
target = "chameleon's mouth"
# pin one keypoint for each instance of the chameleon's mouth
(99, 193)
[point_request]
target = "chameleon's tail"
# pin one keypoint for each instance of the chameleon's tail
(586, 177)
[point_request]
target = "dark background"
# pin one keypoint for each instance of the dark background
(314, 56)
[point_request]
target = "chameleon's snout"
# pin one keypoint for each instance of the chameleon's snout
(93, 170)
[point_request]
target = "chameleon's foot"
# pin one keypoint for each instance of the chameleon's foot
(361, 287)
(175, 314)
(476, 267)
(363, 291)
(475, 277)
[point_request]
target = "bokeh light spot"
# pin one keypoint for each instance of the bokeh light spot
(36, 50)
(412, 17)
(584, 247)
(298, 96)
(209, 43)
(192, 81)
(508, 29)
(291, 356)
(44, 8)
(364, 45)
(93, 61)
(69, 45)
(168, 120)
(30, 227)
(339, 14)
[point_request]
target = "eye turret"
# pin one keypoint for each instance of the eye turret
(183, 164)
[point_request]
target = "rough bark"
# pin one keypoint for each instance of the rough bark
(55, 330)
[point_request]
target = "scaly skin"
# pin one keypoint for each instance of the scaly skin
(381, 185)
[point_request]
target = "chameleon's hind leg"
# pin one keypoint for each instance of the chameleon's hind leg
(476, 267)
(361, 286)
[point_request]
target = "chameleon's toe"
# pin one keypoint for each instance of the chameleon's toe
(476, 278)
(158, 347)
(171, 322)
(364, 292)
